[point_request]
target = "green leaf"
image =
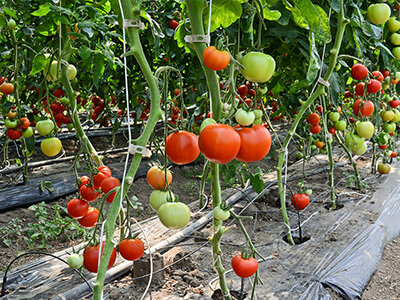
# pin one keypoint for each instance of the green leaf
(85, 52)
(224, 13)
(30, 144)
(98, 68)
(7, 242)
(271, 15)
(314, 64)
(317, 20)
(256, 182)
(335, 4)
(3, 21)
(43, 10)
(44, 185)
(39, 63)
(10, 13)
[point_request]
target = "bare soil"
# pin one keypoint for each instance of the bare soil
(188, 271)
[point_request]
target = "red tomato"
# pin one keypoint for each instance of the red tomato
(156, 177)
(385, 73)
(87, 193)
(364, 108)
(319, 144)
(359, 71)
(377, 75)
(216, 60)
(314, 129)
(244, 267)
(77, 208)
(313, 119)
(182, 147)
(6, 88)
(255, 143)
(393, 154)
(382, 146)
(374, 86)
(91, 258)
(83, 180)
(319, 109)
(25, 123)
(219, 143)
(131, 249)
(360, 89)
(104, 169)
(58, 93)
(242, 90)
(394, 103)
(173, 24)
(99, 177)
(107, 185)
(14, 133)
(90, 219)
(300, 201)
(332, 131)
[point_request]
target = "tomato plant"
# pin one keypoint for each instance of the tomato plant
(219, 143)
(174, 215)
(156, 177)
(300, 201)
(131, 249)
(182, 147)
(258, 66)
(90, 219)
(255, 143)
(109, 184)
(91, 258)
(215, 59)
(77, 208)
(244, 267)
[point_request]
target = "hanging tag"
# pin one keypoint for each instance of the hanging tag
(197, 38)
(324, 82)
(133, 149)
(133, 23)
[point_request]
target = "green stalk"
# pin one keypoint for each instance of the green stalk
(16, 97)
(342, 22)
(330, 154)
(373, 163)
(354, 164)
(130, 12)
(195, 10)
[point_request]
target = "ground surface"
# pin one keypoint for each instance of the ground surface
(189, 271)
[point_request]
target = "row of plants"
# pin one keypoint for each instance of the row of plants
(326, 70)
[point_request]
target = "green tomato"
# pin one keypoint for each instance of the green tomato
(10, 123)
(75, 261)
(396, 52)
(244, 118)
(395, 39)
(221, 214)
(258, 67)
(71, 72)
(387, 153)
(159, 197)
(383, 138)
(207, 122)
(333, 116)
(258, 113)
(64, 100)
(27, 133)
(51, 71)
(51, 146)
(365, 129)
(360, 151)
(299, 155)
(387, 115)
(396, 116)
(390, 127)
(257, 121)
(340, 125)
(387, 97)
(263, 90)
(393, 24)
(44, 127)
(174, 215)
(70, 126)
(308, 192)
(378, 13)
(353, 141)
(313, 147)
(11, 24)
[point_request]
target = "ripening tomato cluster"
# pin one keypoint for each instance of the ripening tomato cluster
(171, 213)
(96, 114)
